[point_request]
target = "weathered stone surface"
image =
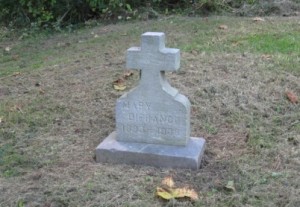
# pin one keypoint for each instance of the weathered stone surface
(153, 112)
(153, 119)
(189, 156)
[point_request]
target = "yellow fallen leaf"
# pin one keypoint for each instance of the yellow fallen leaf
(168, 181)
(119, 85)
(186, 192)
(164, 193)
(168, 191)
(230, 185)
(171, 193)
(7, 49)
(258, 19)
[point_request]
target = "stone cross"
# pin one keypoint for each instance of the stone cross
(153, 59)
(152, 119)
(154, 112)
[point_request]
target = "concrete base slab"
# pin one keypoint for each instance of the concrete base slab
(189, 156)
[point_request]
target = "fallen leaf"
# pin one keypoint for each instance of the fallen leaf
(236, 43)
(218, 183)
(230, 185)
(15, 57)
(223, 27)
(7, 49)
(276, 174)
(16, 108)
(168, 191)
(16, 74)
(168, 181)
(186, 192)
(258, 19)
(164, 193)
(41, 91)
(266, 56)
(171, 193)
(119, 85)
(292, 97)
(127, 74)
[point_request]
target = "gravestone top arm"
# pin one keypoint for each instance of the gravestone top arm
(153, 55)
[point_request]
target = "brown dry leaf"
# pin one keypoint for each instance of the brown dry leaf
(218, 183)
(168, 181)
(41, 91)
(16, 108)
(258, 19)
(119, 85)
(15, 57)
(236, 43)
(223, 27)
(292, 97)
(266, 56)
(16, 73)
(127, 74)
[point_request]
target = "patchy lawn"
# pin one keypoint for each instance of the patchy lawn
(57, 104)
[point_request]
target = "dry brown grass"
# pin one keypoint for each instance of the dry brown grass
(55, 117)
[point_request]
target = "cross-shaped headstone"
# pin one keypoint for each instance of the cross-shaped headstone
(152, 119)
(153, 112)
(153, 58)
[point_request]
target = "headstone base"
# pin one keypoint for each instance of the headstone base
(189, 156)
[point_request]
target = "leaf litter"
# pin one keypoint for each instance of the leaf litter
(120, 83)
(292, 97)
(168, 190)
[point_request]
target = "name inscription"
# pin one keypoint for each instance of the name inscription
(153, 118)
(142, 117)
(137, 105)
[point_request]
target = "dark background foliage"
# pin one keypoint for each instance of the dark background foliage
(58, 13)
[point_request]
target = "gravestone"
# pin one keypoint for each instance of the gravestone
(153, 119)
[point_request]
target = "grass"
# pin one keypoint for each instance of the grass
(57, 104)
(275, 43)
